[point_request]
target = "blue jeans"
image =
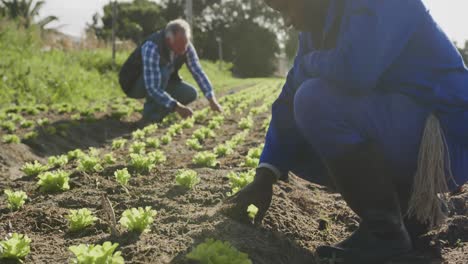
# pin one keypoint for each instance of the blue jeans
(154, 111)
(332, 122)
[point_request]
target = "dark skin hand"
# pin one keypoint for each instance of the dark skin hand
(258, 193)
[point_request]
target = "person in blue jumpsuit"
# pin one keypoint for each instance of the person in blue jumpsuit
(367, 76)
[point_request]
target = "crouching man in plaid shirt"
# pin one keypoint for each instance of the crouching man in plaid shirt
(152, 72)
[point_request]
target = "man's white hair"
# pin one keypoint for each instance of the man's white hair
(176, 26)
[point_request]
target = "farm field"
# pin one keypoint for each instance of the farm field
(93, 148)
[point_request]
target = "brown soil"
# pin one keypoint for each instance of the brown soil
(303, 216)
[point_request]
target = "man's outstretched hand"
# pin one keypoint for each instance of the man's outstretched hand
(214, 105)
(258, 193)
(183, 111)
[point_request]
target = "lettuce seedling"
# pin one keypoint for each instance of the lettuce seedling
(26, 124)
(206, 159)
(30, 135)
(8, 126)
(17, 247)
(223, 150)
(203, 133)
(75, 154)
(90, 164)
(57, 161)
(153, 143)
(252, 211)
(138, 220)
(218, 252)
(80, 219)
(16, 199)
(109, 159)
(187, 178)
(157, 157)
(166, 139)
(194, 144)
(246, 123)
(122, 176)
(54, 181)
(43, 122)
(118, 143)
(239, 181)
(188, 123)
(32, 169)
(11, 139)
(97, 254)
(150, 129)
(141, 163)
(138, 134)
(175, 129)
(251, 162)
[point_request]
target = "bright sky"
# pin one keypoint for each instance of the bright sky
(74, 14)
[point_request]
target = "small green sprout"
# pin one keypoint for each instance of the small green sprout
(54, 181)
(122, 176)
(239, 181)
(75, 154)
(166, 139)
(141, 163)
(252, 211)
(80, 219)
(188, 123)
(138, 220)
(246, 123)
(206, 159)
(223, 150)
(17, 247)
(11, 139)
(109, 159)
(187, 178)
(218, 252)
(138, 134)
(8, 126)
(16, 199)
(118, 143)
(30, 135)
(194, 144)
(58, 161)
(90, 164)
(97, 254)
(43, 122)
(203, 133)
(138, 147)
(32, 169)
(26, 124)
(153, 143)
(150, 129)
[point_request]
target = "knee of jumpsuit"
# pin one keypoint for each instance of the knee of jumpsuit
(334, 122)
(186, 94)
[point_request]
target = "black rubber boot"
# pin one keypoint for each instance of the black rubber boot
(364, 179)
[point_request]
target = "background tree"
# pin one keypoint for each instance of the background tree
(25, 11)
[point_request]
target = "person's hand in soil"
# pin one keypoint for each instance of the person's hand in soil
(183, 111)
(258, 193)
(214, 105)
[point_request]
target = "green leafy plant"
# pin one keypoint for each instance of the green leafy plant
(138, 220)
(26, 124)
(119, 143)
(138, 134)
(216, 122)
(58, 161)
(54, 181)
(150, 129)
(80, 219)
(206, 159)
(32, 169)
(187, 178)
(89, 164)
(239, 181)
(75, 154)
(16, 247)
(166, 139)
(157, 157)
(246, 123)
(30, 135)
(8, 126)
(188, 123)
(223, 150)
(141, 163)
(203, 133)
(16, 199)
(153, 143)
(11, 139)
(122, 176)
(109, 159)
(97, 254)
(138, 147)
(218, 252)
(252, 211)
(43, 122)
(175, 129)
(194, 144)
(201, 115)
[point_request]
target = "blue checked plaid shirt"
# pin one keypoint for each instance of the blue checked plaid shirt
(153, 77)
